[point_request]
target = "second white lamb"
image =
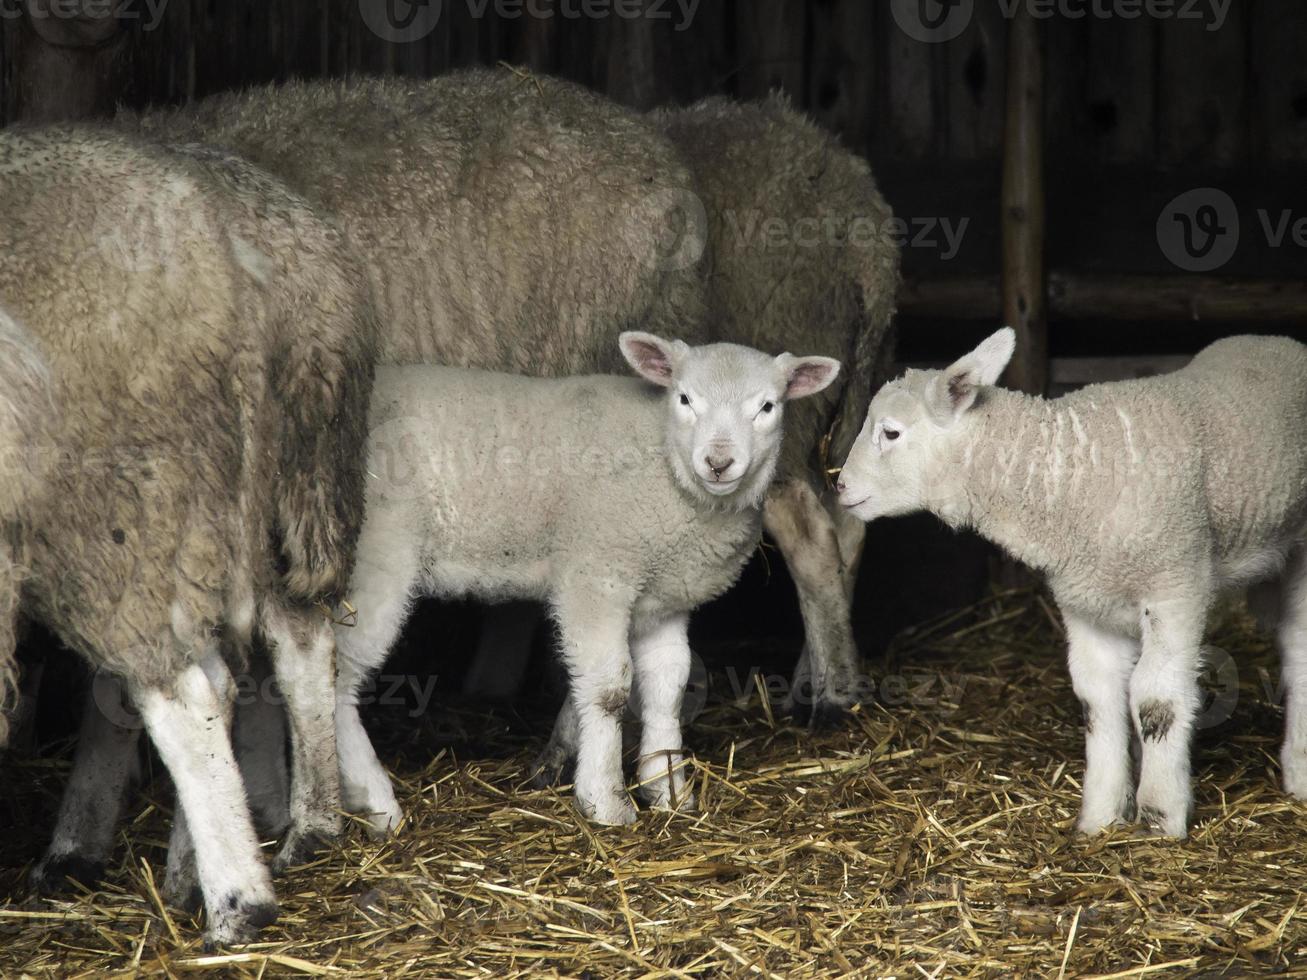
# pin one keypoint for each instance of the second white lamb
(622, 504)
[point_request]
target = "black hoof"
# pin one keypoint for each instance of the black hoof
(549, 773)
(236, 923)
(56, 875)
(298, 851)
(828, 716)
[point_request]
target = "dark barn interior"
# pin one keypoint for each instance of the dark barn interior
(1122, 181)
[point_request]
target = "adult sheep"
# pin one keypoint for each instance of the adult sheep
(209, 346)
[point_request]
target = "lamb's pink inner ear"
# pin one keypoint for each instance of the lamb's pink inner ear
(808, 378)
(650, 360)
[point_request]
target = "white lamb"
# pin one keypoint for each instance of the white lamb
(621, 505)
(1141, 501)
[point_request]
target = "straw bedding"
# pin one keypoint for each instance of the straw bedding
(931, 838)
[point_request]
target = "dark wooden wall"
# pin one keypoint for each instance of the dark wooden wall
(1165, 93)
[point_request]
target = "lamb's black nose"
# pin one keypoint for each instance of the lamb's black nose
(719, 465)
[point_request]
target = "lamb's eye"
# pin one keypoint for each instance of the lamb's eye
(685, 400)
(767, 407)
(892, 434)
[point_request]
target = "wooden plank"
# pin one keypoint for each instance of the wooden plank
(1072, 296)
(1279, 82)
(770, 47)
(842, 72)
(626, 49)
(535, 40)
(1025, 305)
(914, 104)
(698, 54)
(1122, 90)
(1202, 91)
(1067, 141)
(976, 96)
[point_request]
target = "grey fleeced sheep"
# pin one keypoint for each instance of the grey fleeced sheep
(209, 345)
(507, 223)
(1141, 501)
(622, 505)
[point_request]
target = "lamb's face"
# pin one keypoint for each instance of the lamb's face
(885, 474)
(912, 425)
(725, 405)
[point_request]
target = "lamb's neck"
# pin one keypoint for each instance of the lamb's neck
(1017, 475)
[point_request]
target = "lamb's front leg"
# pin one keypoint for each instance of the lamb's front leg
(662, 669)
(1164, 700)
(594, 621)
(1100, 663)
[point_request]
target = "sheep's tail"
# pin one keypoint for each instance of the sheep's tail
(325, 390)
(27, 416)
(873, 353)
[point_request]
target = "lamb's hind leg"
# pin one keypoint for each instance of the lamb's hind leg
(1164, 700)
(302, 649)
(187, 723)
(92, 803)
(1292, 632)
(826, 682)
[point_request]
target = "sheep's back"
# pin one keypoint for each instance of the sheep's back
(507, 223)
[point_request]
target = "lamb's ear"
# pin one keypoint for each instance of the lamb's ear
(955, 390)
(653, 358)
(806, 376)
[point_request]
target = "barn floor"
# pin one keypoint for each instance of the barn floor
(932, 837)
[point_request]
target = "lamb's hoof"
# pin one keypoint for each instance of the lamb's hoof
(553, 768)
(660, 799)
(56, 873)
(610, 810)
(829, 716)
(300, 849)
(238, 921)
(181, 888)
(1158, 823)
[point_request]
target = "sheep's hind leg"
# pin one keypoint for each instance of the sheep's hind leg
(826, 681)
(1292, 634)
(302, 648)
(187, 725)
(1100, 664)
(596, 649)
(92, 803)
(662, 669)
(1164, 700)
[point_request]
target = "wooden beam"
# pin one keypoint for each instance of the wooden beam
(1117, 297)
(1025, 305)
